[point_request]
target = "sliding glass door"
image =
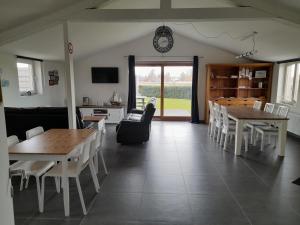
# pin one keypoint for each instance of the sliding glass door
(148, 84)
(170, 83)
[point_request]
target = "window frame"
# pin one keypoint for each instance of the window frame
(296, 71)
(31, 62)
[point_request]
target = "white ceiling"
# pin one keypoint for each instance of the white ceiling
(16, 12)
(275, 40)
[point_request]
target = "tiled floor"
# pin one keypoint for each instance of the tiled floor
(178, 177)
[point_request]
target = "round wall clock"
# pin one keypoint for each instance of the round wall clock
(163, 40)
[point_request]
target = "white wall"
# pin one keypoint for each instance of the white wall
(51, 96)
(143, 47)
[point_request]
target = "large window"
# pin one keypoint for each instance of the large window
(290, 74)
(29, 76)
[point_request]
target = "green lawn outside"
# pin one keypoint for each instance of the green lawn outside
(173, 103)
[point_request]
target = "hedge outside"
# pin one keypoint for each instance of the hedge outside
(179, 92)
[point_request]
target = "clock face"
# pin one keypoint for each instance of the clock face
(163, 43)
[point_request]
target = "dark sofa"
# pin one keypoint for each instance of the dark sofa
(136, 127)
(19, 120)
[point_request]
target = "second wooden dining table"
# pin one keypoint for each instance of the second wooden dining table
(53, 145)
(243, 115)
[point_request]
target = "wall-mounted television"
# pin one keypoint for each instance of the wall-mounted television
(105, 74)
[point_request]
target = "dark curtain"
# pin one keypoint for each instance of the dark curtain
(195, 108)
(131, 104)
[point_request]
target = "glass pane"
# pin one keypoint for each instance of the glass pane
(177, 90)
(297, 83)
(25, 75)
(289, 83)
(148, 84)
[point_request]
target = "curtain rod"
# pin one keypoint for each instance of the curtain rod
(29, 58)
(156, 56)
(288, 60)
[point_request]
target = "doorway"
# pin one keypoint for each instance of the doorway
(170, 83)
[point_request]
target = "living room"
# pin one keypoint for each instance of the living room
(180, 56)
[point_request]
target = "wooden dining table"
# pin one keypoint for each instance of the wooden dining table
(53, 145)
(243, 115)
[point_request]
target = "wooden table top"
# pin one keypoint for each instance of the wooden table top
(93, 118)
(243, 112)
(52, 142)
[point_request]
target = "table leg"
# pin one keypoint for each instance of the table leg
(65, 183)
(238, 137)
(282, 132)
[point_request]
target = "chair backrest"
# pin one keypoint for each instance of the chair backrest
(79, 154)
(225, 118)
(211, 109)
(217, 113)
(283, 111)
(148, 113)
(269, 107)
(12, 140)
(257, 105)
(34, 132)
(88, 145)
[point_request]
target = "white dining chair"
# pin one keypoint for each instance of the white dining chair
(99, 150)
(35, 168)
(269, 107)
(16, 168)
(34, 132)
(271, 130)
(257, 105)
(228, 131)
(217, 128)
(211, 118)
(84, 154)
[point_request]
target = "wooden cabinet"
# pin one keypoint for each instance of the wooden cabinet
(114, 114)
(238, 84)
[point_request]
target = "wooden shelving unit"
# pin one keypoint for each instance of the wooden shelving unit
(237, 84)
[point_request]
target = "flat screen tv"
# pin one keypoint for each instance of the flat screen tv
(105, 74)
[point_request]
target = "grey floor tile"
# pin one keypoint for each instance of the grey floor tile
(172, 208)
(205, 184)
(164, 184)
(216, 210)
(114, 208)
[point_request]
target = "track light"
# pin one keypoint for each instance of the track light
(253, 51)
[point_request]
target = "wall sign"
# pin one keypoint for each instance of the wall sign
(70, 48)
(53, 77)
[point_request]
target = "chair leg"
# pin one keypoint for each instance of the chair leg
(215, 133)
(262, 142)
(103, 162)
(208, 129)
(94, 176)
(255, 138)
(251, 135)
(21, 182)
(38, 187)
(27, 182)
(57, 184)
(42, 194)
(222, 139)
(96, 163)
(80, 195)
(225, 141)
(219, 135)
(246, 143)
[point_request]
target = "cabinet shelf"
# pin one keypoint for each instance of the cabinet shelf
(242, 91)
(223, 88)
